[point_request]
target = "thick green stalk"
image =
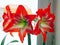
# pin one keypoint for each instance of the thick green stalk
(43, 43)
(29, 39)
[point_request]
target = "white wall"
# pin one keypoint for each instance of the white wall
(32, 4)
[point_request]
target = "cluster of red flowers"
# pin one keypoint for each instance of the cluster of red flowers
(20, 22)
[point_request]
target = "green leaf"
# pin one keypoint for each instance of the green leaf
(13, 41)
(3, 41)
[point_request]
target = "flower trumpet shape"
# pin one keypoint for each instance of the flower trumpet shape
(18, 21)
(46, 22)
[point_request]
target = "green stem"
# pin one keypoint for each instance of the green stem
(43, 43)
(29, 39)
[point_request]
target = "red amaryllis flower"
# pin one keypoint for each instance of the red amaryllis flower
(19, 21)
(46, 22)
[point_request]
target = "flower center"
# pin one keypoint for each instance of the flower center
(22, 23)
(43, 22)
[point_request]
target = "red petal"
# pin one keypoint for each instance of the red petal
(12, 30)
(9, 25)
(24, 34)
(5, 16)
(8, 8)
(11, 33)
(37, 30)
(30, 17)
(29, 31)
(49, 7)
(20, 10)
(40, 12)
(53, 17)
(5, 21)
(44, 36)
(21, 36)
(51, 30)
(8, 11)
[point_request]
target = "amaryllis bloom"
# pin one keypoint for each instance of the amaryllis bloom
(46, 22)
(19, 21)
